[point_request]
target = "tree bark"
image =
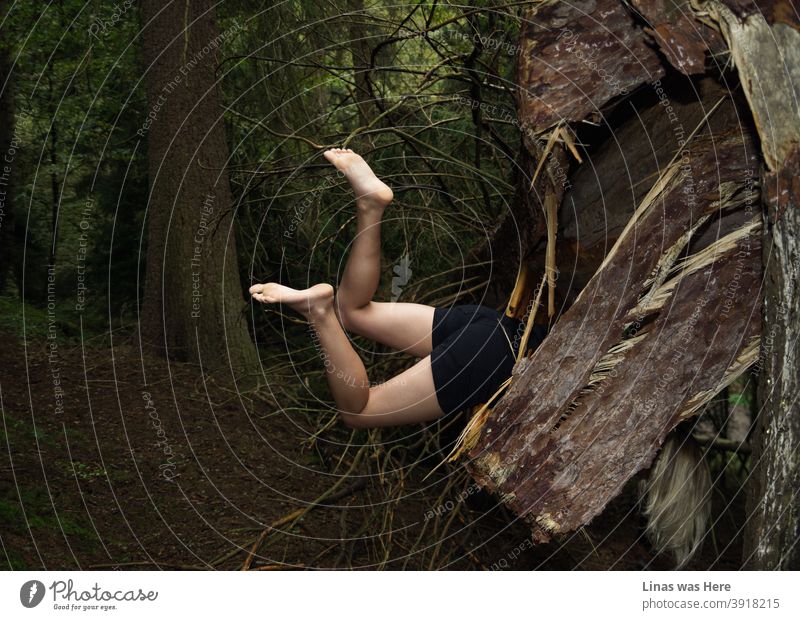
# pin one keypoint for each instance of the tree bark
(764, 42)
(772, 531)
(580, 419)
(618, 174)
(557, 81)
(7, 125)
(588, 410)
(560, 75)
(666, 320)
(194, 306)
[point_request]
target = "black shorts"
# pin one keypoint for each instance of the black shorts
(474, 351)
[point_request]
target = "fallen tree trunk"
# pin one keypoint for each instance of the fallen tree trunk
(672, 313)
(558, 81)
(586, 412)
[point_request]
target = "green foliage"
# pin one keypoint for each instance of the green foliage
(38, 514)
(19, 430)
(78, 173)
(297, 77)
(83, 471)
(26, 509)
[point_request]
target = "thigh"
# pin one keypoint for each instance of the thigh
(399, 325)
(408, 398)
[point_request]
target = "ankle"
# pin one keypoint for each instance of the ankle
(371, 206)
(321, 311)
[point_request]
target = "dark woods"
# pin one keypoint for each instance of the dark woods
(160, 157)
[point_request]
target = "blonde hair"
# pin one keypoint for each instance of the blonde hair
(676, 498)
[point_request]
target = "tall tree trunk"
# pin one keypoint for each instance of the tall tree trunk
(773, 501)
(194, 307)
(55, 186)
(7, 125)
(764, 43)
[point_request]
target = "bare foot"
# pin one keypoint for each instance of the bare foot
(369, 189)
(311, 302)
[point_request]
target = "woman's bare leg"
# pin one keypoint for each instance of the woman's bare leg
(362, 271)
(408, 398)
(402, 326)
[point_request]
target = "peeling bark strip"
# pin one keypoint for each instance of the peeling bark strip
(577, 56)
(582, 416)
(574, 57)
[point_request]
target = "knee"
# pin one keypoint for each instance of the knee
(363, 418)
(351, 317)
(345, 316)
(355, 420)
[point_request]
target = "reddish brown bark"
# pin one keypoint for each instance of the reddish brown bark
(557, 450)
(646, 343)
(682, 39)
(576, 56)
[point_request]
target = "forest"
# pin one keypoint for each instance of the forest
(620, 173)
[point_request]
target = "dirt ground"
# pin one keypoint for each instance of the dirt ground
(182, 473)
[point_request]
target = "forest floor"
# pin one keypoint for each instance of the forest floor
(94, 484)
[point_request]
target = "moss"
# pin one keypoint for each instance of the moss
(30, 321)
(38, 514)
(14, 431)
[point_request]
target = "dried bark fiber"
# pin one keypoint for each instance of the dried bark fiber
(524, 225)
